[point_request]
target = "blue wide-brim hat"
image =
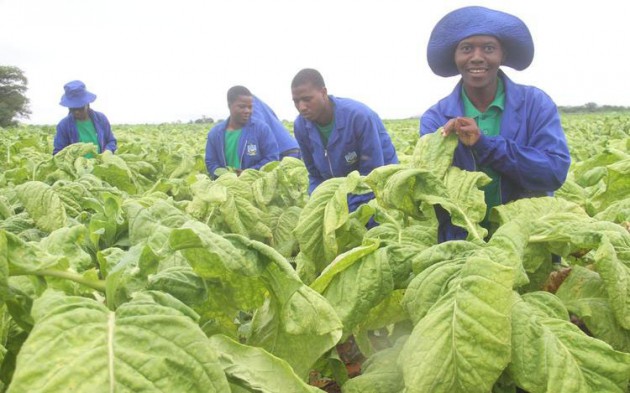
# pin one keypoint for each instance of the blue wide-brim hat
(516, 40)
(76, 95)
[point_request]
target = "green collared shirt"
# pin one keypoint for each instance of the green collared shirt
(489, 122)
(87, 134)
(326, 130)
(232, 138)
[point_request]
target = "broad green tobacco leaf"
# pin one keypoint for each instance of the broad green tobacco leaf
(283, 222)
(572, 192)
(292, 182)
(415, 236)
(355, 282)
(563, 234)
(65, 159)
(182, 283)
(295, 323)
(5, 292)
(618, 212)
(509, 246)
(601, 160)
(72, 195)
(583, 293)
(152, 343)
(550, 354)
(325, 212)
(343, 262)
(379, 374)
(615, 273)
(458, 192)
(398, 187)
(29, 257)
(617, 185)
(462, 344)
(435, 152)
(467, 204)
(114, 170)
(154, 224)
(215, 258)
(68, 243)
(429, 286)
(255, 369)
(6, 210)
(534, 208)
(43, 204)
(130, 274)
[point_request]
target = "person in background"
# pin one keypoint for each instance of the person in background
(241, 141)
(287, 145)
(337, 135)
(82, 123)
(511, 132)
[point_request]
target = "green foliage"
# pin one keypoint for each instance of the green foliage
(13, 101)
(136, 271)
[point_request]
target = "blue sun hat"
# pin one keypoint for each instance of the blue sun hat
(76, 95)
(465, 22)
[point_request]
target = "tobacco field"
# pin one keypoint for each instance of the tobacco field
(136, 272)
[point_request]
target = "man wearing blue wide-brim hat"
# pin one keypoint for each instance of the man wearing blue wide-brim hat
(82, 124)
(509, 131)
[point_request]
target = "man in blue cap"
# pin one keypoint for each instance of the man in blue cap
(509, 131)
(82, 123)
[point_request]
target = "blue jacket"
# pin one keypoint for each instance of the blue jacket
(287, 145)
(359, 141)
(256, 147)
(68, 134)
(530, 154)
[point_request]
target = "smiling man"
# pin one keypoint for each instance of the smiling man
(337, 135)
(239, 142)
(509, 131)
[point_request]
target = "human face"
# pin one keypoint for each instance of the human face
(312, 103)
(478, 59)
(241, 111)
(80, 113)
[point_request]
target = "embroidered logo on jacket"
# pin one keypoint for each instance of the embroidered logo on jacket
(351, 157)
(252, 150)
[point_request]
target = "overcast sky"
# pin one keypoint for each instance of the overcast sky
(162, 61)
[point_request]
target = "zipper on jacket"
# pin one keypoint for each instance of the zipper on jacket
(243, 154)
(329, 164)
(474, 160)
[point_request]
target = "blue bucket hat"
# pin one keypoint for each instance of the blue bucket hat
(75, 95)
(465, 22)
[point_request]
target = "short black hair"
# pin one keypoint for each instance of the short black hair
(236, 91)
(308, 75)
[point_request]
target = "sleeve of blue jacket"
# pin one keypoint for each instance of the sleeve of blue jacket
(301, 135)
(540, 165)
(63, 136)
(104, 131)
(214, 149)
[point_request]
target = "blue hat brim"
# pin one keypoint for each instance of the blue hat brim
(77, 102)
(465, 22)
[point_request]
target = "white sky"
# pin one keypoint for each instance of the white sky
(161, 61)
